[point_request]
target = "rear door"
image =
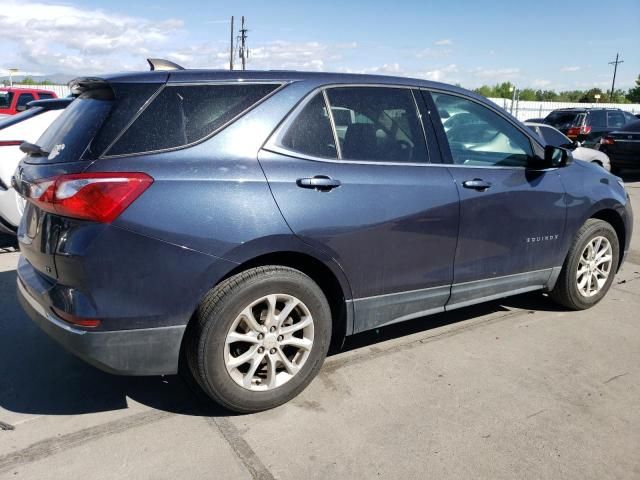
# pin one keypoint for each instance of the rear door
(511, 218)
(364, 191)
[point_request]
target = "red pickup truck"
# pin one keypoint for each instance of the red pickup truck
(14, 100)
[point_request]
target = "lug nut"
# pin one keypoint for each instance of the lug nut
(280, 338)
(260, 336)
(272, 329)
(272, 351)
(260, 349)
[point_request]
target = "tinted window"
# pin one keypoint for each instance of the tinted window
(181, 115)
(598, 118)
(629, 117)
(383, 124)
(24, 98)
(632, 126)
(310, 133)
(5, 99)
(615, 119)
(554, 137)
(562, 119)
(482, 138)
(72, 131)
(45, 96)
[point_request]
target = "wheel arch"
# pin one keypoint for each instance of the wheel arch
(613, 218)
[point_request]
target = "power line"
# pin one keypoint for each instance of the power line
(243, 52)
(231, 47)
(615, 69)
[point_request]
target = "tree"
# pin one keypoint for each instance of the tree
(633, 95)
(28, 81)
(528, 94)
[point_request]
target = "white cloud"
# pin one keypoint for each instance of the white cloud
(443, 42)
(573, 68)
(62, 37)
(540, 83)
(438, 74)
(500, 74)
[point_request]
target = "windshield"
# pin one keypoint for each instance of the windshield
(5, 99)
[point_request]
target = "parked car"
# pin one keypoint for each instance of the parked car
(221, 217)
(623, 147)
(555, 137)
(26, 126)
(534, 120)
(14, 100)
(587, 125)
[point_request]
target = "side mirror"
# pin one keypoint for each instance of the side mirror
(556, 157)
(577, 144)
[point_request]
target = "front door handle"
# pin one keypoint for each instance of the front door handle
(319, 182)
(477, 184)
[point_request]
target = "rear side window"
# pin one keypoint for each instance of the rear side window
(632, 126)
(5, 99)
(615, 119)
(183, 114)
(24, 98)
(311, 133)
(378, 124)
(45, 96)
(598, 119)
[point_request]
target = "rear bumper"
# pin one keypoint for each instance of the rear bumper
(149, 351)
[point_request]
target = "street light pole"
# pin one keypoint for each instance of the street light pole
(11, 72)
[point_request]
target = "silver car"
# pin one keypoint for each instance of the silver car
(556, 138)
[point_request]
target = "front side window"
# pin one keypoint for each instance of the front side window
(23, 99)
(377, 124)
(183, 114)
(479, 136)
(615, 119)
(45, 96)
(311, 133)
(5, 99)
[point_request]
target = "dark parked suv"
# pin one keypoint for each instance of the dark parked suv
(588, 125)
(228, 219)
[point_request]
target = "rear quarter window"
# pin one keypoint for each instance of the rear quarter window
(184, 114)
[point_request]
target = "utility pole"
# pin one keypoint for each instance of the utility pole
(615, 69)
(231, 47)
(244, 53)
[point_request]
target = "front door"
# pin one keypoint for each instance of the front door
(512, 218)
(358, 185)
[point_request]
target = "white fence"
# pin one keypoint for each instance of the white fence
(524, 110)
(60, 90)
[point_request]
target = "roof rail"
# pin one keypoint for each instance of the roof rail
(162, 64)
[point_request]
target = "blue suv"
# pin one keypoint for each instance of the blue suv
(237, 222)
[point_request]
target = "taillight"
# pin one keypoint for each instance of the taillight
(607, 141)
(10, 143)
(585, 129)
(73, 320)
(573, 132)
(99, 197)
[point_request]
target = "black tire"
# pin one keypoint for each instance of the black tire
(566, 291)
(215, 316)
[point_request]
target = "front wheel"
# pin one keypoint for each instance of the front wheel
(590, 266)
(259, 338)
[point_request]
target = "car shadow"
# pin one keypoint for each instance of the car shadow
(39, 377)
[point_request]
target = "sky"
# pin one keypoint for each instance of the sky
(539, 44)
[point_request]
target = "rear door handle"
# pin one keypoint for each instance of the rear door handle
(319, 182)
(477, 184)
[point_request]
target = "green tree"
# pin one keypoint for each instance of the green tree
(28, 81)
(528, 94)
(633, 95)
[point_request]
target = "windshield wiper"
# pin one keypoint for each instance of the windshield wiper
(33, 150)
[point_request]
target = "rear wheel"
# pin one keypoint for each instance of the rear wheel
(590, 266)
(259, 338)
